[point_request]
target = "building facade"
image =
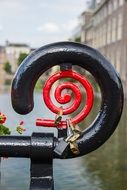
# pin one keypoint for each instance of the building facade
(13, 51)
(106, 30)
(2, 62)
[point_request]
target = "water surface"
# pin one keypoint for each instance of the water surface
(104, 169)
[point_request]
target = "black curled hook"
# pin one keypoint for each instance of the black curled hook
(88, 58)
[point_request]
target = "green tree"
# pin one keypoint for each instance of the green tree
(77, 39)
(7, 67)
(22, 56)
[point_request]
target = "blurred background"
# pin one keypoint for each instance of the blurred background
(26, 25)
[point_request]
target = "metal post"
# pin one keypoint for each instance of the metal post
(39, 148)
(42, 168)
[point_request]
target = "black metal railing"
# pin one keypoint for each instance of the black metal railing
(42, 148)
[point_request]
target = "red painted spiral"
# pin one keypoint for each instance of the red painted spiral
(66, 98)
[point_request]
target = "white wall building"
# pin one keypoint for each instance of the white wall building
(13, 50)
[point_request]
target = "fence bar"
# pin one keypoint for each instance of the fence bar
(15, 146)
(39, 148)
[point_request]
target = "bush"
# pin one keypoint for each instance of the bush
(7, 67)
(22, 56)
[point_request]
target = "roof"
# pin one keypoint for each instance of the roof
(86, 12)
(100, 6)
(17, 45)
(33, 49)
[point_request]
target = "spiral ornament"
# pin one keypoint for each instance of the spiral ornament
(88, 59)
(66, 98)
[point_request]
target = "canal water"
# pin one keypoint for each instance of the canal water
(103, 169)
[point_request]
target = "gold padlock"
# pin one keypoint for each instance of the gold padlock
(74, 148)
(74, 128)
(77, 129)
(59, 116)
(70, 124)
(74, 138)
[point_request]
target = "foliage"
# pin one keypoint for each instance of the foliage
(77, 39)
(20, 129)
(7, 82)
(4, 130)
(39, 85)
(7, 67)
(22, 56)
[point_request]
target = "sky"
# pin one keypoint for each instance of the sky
(38, 22)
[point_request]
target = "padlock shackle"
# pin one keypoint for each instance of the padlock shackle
(88, 58)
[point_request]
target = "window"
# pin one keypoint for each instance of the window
(118, 60)
(103, 42)
(105, 12)
(101, 36)
(101, 15)
(94, 37)
(82, 20)
(113, 57)
(98, 18)
(108, 54)
(104, 33)
(119, 26)
(115, 4)
(98, 37)
(109, 8)
(83, 35)
(121, 2)
(109, 32)
(94, 21)
(113, 29)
